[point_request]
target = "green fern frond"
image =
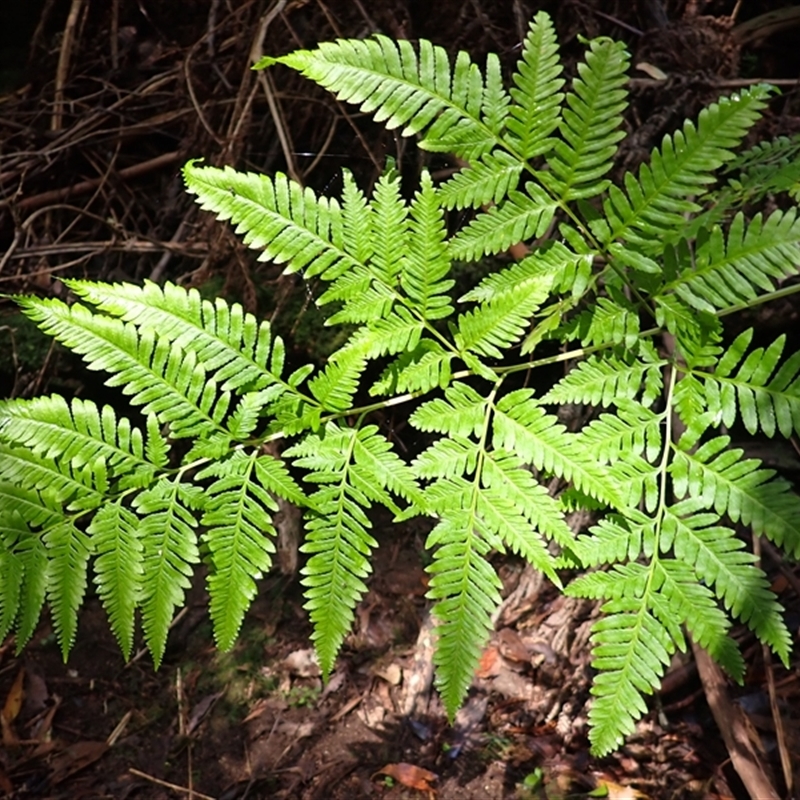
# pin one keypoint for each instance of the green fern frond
(337, 539)
(12, 570)
(611, 320)
(447, 458)
(247, 412)
(515, 530)
(766, 399)
(33, 556)
(486, 180)
(420, 369)
(74, 488)
(118, 568)
(695, 330)
(357, 235)
(521, 511)
(288, 224)
(239, 537)
(389, 228)
(781, 151)
(41, 509)
(68, 551)
(376, 464)
(234, 347)
(639, 481)
(521, 216)
(273, 476)
(694, 605)
(79, 484)
(76, 435)
(607, 379)
(461, 412)
(536, 110)
(720, 560)
(633, 431)
(590, 122)
(467, 592)
(372, 304)
(350, 288)
(397, 332)
(495, 100)
(689, 399)
(506, 471)
(335, 387)
(409, 249)
(753, 259)
(621, 582)
(11, 577)
(499, 323)
(717, 476)
(766, 168)
(292, 415)
(654, 204)
(23, 574)
(426, 266)
(500, 506)
(161, 377)
(461, 113)
(631, 649)
(616, 538)
(550, 267)
(167, 532)
(521, 426)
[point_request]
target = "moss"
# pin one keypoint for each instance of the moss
(20, 338)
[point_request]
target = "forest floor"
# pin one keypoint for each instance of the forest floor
(114, 98)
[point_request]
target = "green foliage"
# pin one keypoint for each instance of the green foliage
(639, 275)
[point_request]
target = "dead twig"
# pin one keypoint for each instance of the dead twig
(736, 730)
(780, 562)
(264, 80)
(132, 245)
(196, 103)
(114, 35)
(765, 25)
(63, 64)
(55, 195)
(166, 784)
(722, 83)
(777, 718)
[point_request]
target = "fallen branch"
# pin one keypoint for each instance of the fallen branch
(735, 729)
(56, 195)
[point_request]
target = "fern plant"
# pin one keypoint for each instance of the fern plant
(627, 283)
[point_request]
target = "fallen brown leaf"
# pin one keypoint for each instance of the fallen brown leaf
(74, 758)
(409, 775)
(615, 791)
(489, 665)
(201, 710)
(37, 695)
(5, 783)
(512, 647)
(44, 728)
(11, 709)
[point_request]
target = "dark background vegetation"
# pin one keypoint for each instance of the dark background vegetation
(100, 105)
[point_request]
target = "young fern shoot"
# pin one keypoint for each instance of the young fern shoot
(633, 279)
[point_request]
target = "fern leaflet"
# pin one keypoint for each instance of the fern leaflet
(591, 121)
(536, 110)
(462, 113)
